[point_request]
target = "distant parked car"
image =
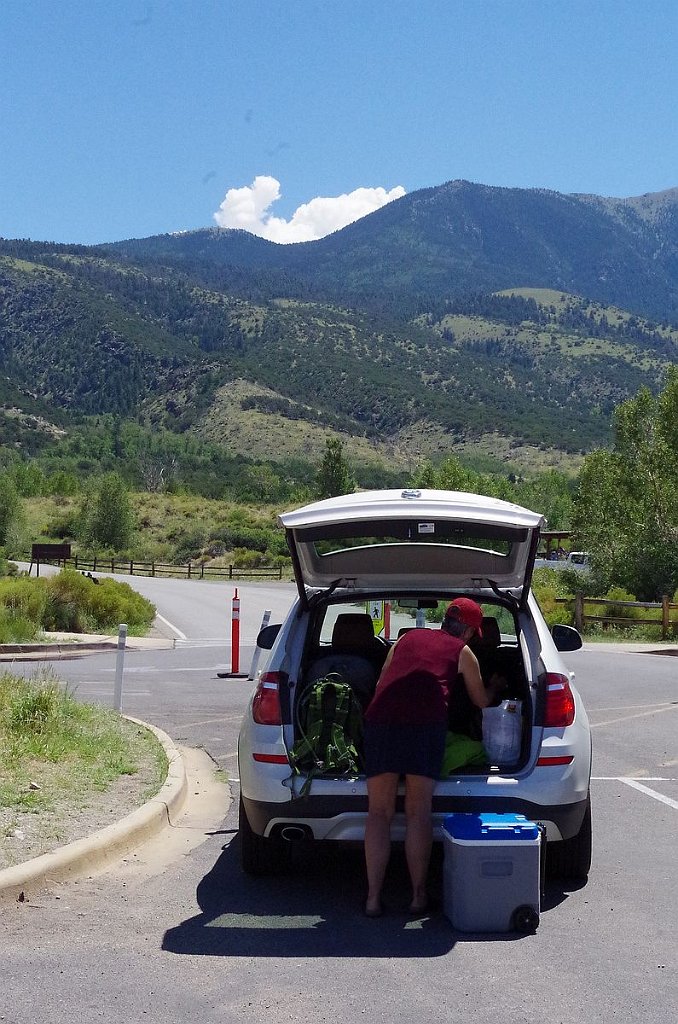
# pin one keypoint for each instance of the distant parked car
(579, 560)
(413, 550)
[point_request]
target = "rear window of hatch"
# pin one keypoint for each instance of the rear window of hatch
(335, 538)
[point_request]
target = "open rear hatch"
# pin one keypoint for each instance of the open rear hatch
(413, 539)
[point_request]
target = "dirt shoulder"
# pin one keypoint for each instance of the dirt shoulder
(25, 834)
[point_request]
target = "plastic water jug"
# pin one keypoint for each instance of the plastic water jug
(502, 731)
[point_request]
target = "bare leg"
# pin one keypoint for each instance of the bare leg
(381, 793)
(418, 835)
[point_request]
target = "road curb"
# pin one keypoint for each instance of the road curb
(94, 852)
(68, 649)
(72, 648)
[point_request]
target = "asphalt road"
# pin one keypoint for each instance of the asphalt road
(201, 942)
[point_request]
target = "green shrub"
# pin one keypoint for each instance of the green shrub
(64, 526)
(554, 613)
(63, 484)
(16, 628)
(244, 537)
(24, 596)
(78, 604)
(189, 544)
(555, 580)
(111, 603)
(245, 559)
(611, 610)
(69, 602)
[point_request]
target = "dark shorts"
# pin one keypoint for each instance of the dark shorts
(404, 749)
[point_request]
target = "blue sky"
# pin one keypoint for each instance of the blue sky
(136, 117)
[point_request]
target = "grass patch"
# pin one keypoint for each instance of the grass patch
(54, 748)
(602, 633)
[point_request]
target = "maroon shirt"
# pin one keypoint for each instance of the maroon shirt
(415, 687)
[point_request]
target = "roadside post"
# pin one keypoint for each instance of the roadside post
(257, 650)
(235, 672)
(120, 658)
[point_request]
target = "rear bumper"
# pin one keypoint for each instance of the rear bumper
(343, 818)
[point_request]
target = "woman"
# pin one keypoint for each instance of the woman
(405, 728)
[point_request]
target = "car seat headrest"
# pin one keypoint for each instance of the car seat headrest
(353, 632)
(491, 634)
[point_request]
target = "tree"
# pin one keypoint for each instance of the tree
(9, 507)
(107, 518)
(551, 493)
(334, 476)
(626, 508)
(452, 476)
(426, 475)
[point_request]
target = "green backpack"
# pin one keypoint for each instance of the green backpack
(331, 731)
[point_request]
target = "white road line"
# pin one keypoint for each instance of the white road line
(636, 778)
(211, 721)
(629, 718)
(179, 634)
(205, 669)
(215, 641)
(125, 693)
(651, 792)
(632, 707)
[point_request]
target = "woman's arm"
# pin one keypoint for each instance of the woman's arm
(481, 695)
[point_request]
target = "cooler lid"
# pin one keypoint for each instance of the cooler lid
(496, 827)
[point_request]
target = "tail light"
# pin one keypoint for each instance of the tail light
(266, 701)
(559, 704)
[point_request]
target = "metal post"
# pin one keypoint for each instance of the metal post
(257, 650)
(120, 657)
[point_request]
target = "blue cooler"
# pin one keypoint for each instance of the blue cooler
(491, 874)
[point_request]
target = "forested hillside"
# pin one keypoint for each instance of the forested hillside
(415, 253)
(442, 322)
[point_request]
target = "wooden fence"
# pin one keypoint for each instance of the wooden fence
(191, 570)
(583, 616)
(198, 571)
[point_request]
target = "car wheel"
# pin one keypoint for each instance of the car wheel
(258, 854)
(571, 858)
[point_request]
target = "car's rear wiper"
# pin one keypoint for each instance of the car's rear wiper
(322, 595)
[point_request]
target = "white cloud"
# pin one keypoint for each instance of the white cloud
(248, 208)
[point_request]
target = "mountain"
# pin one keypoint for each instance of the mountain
(442, 242)
(497, 321)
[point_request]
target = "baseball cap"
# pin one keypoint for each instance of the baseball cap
(466, 611)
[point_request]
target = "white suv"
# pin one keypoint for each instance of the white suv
(367, 566)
